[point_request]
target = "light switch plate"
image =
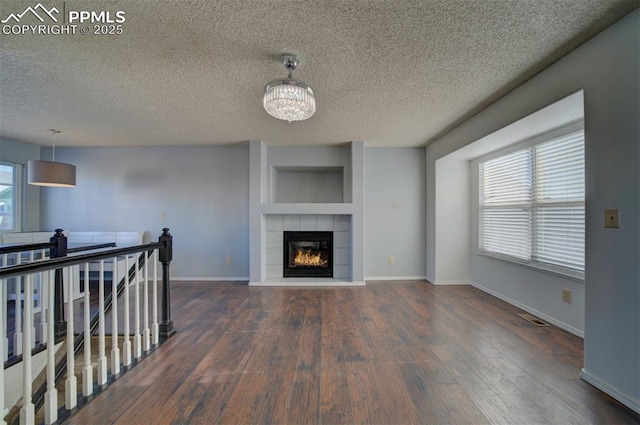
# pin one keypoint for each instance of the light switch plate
(611, 218)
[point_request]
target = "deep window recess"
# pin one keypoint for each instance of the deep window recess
(9, 197)
(532, 205)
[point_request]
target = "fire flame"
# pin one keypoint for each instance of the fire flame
(307, 258)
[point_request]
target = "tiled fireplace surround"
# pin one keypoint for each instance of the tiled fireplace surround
(269, 219)
(339, 224)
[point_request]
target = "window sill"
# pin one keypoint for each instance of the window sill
(555, 271)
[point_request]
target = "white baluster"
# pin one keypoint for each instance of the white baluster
(115, 351)
(126, 345)
(146, 337)
(102, 357)
(32, 256)
(4, 315)
(27, 412)
(71, 384)
(3, 303)
(137, 339)
(154, 326)
(17, 335)
(51, 396)
(44, 293)
(87, 370)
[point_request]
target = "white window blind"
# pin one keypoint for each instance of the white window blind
(532, 203)
(559, 216)
(506, 197)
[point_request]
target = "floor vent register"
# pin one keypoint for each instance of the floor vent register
(533, 319)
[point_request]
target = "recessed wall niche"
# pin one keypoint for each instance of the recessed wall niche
(307, 185)
(267, 166)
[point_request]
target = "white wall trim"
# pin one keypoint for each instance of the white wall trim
(610, 390)
(553, 321)
(211, 279)
(308, 283)
(373, 278)
(452, 282)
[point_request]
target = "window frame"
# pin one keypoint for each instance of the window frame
(521, 145)
(17, 196)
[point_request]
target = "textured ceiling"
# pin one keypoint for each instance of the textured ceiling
(390, 73)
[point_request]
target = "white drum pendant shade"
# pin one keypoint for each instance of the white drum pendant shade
(48, 173)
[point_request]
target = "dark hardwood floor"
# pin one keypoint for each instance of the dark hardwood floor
(387, 353)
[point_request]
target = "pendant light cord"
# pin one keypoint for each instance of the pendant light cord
(53, 142)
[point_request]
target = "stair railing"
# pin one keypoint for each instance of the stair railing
(18, 254)
(144, 340)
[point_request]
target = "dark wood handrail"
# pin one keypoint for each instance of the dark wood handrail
(47, 245)
(25, 247)
(91, 247)
(55, 263)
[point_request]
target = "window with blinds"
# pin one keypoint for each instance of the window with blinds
(532, 204)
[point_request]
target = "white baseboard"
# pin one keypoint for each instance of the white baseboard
(609, 389)
(211, 279)
(452, 282)
(372, 278)
(553, 321)
(314, 282)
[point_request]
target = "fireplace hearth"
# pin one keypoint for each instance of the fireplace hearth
(308, 254)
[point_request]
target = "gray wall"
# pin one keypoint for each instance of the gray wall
(202, 190)
(453, 202)
(394, 212)
(607, 68)
(19, 153)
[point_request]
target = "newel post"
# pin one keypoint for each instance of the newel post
(166, 255)
(59, 249)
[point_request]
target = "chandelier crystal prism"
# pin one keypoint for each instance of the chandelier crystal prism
(289, 99)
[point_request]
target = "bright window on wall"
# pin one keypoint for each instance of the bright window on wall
(9, 197)
(532, 205)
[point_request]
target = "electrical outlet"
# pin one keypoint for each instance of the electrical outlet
(162, 216)
(611, 218)
(229, 261)
(566, 295)
(392, 260)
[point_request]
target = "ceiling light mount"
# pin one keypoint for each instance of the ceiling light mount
(290, 62)
(289, 99)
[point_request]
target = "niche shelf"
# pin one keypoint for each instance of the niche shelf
(307, 185)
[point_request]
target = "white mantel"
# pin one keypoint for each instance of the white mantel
(264, 213)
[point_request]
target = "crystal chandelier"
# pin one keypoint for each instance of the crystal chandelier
(289, 99)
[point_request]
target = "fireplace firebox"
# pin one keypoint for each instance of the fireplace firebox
(308, 254)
